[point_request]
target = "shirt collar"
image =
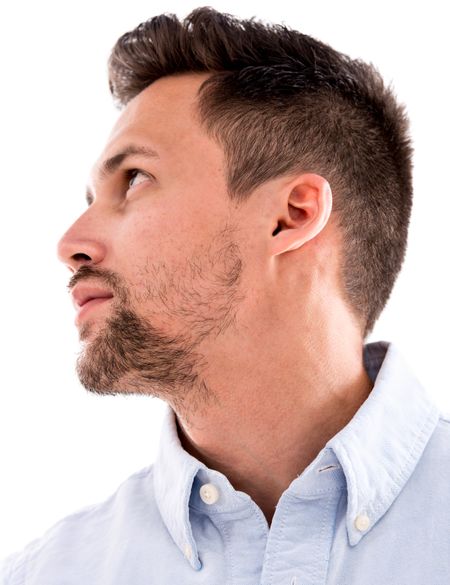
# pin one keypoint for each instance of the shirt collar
(378, 450)
(174, 472)
(382, 444)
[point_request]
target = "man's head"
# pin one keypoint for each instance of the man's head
(275, 184)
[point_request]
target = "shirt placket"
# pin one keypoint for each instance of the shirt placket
(230, 531)
(296, 549)
(302, 530)
(300, 539)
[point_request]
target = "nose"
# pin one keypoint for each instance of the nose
(81, 244)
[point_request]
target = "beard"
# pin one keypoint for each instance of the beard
(130, 355)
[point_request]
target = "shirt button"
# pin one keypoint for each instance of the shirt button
(362, 522)
(187, 551)
(209, 493)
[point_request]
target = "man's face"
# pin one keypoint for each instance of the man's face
(162, 243)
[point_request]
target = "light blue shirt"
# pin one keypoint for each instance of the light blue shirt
(373, 508)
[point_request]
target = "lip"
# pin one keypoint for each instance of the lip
(81, 294)
(85, 298)
(89, 306)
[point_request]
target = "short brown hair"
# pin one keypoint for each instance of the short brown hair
(278, 102)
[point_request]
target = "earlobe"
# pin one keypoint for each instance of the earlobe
(308, 210)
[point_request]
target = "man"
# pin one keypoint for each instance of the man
(246, 222)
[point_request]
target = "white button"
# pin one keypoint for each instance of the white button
(187, 551)
(362, 522)
(209, 493)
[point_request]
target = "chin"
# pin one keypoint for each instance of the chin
(87, 330)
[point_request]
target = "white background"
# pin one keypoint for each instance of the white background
(62, 448)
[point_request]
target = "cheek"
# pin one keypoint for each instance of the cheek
(139, 235)
(152, 246)
(158, 235)
(145, 253)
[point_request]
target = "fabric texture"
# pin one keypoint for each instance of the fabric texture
(372, 508)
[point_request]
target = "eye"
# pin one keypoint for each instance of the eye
(133, 173)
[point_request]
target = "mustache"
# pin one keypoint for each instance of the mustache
(110, 278)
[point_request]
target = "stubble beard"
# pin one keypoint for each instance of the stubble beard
(128, 355)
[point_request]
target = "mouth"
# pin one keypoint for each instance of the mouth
(89, 306)
(88, 298)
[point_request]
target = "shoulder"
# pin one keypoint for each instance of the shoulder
(80, 533)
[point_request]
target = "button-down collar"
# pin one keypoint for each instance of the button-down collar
(380, 447)
(376, 451)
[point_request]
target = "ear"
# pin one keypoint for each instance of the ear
(306, 203)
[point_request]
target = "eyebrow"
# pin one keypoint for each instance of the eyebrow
(110, 165)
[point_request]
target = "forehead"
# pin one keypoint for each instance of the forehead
(164, 116)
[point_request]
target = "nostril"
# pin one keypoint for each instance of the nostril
(278, 229)
(81, 256)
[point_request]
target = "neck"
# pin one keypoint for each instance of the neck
(273, 416)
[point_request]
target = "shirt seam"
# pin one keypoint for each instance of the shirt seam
(337, 509)
(16, 568)
(227, 551)
(321, 539)
(276, 547)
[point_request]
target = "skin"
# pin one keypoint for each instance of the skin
(243, 332)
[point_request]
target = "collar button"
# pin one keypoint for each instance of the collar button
(362, 522)
(187, 551)
(209, 493)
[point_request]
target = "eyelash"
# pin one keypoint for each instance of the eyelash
(131, 174)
